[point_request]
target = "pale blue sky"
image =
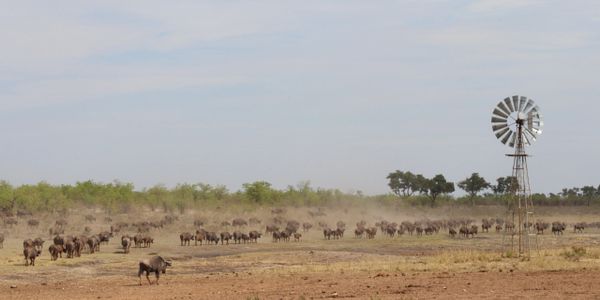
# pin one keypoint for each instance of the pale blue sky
(336, 92)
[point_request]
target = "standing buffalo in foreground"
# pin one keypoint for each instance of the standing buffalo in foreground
(155, 264)
(30, 254)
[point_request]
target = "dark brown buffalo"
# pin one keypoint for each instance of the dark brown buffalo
(225, 236)
(79, 244)
(93, 243)
(126, 244)
(154, 265)
(28, 243)
(38, 243)
(104, 237)
(33, 223)
(239, 222)
(185, 238)
(558, 228)
(254, 235)
(61, 222)
(212, 237)
(30, 254)
(276, 236)
(58, 240)
(306, 226)
(237, 237)
(452, 232)
(271, 228)
(200, 236)
(55, 251)
(359, 232)
(10, 222)
(297, 237)
(245, 238)
(147, 241)
(579, 227)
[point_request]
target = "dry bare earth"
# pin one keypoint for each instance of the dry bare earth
(407, 267)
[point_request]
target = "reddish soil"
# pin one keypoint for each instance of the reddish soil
(498, 285)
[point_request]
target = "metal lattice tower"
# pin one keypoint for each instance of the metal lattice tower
(517, 121)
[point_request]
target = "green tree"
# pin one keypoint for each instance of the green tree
(259, 192)
(505, 185)
(589, 192)
(438, 186)
(6, 196)
(473, 185)
(405, 183)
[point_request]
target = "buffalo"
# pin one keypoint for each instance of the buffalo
(155, 264)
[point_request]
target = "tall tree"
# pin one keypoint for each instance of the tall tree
(259, 192)
(405, 183)
(505, 185)
(6, 195)
(438, 186)
(473, 185)
(589, 192)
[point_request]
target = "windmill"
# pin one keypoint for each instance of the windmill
(517, 122)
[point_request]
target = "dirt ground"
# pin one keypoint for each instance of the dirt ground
(580, 284)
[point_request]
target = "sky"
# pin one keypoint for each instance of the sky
(339, 93)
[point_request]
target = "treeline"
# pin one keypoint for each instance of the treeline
(122, 197)
(419, 190)
(408, 189)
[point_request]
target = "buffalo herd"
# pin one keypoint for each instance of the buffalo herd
(237, 231)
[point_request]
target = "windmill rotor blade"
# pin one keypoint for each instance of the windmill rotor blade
(505, 139)
(529, 105)
(535, 123)
(498, 120)
(500, 113)
(533, 136)
(503, 107)
(526, 138)
(509, 104)
(498, 127)
(522, 102)
(512, 141)
(500, 133)
(515, 101)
